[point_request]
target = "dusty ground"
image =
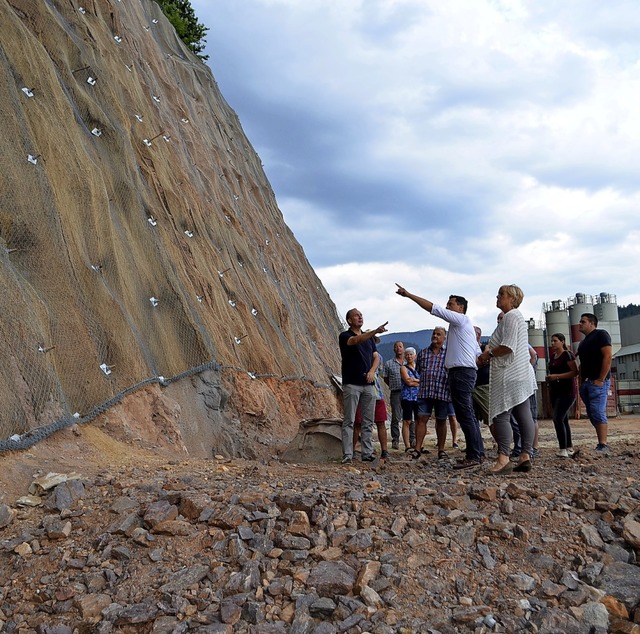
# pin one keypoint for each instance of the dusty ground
(157, 543)
(88, 450)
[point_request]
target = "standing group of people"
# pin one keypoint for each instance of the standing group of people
(446, 379)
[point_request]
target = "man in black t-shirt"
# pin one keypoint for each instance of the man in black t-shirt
(360, 361)
(595, 354)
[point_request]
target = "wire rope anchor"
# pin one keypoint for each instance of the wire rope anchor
(33, 159)
(166, 137)
(148, 142)
(82, 10)
(96, 132)
(27, 91)
(152, 221)
(200, 298)
(184, 120)
(239, 339)
(154, 301)
(139, 117)
(251, 374)
(163, 381)
(91, 81)
(188, 233)
(117, 38)
(154, 21)
(107, 369)
(232, 303)
(221, 273)
(129, 68)
(44, 350)
(96, 268)
(254, 312)
(156, 98)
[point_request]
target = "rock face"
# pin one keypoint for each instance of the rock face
(139, 236)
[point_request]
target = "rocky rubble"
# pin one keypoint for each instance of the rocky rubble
(225, 546)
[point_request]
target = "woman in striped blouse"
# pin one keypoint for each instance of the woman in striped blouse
(511, 381)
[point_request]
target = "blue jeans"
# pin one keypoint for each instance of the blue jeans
(595, 401)
(365, 395)
(461, 384)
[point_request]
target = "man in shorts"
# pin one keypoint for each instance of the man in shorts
(433, 393)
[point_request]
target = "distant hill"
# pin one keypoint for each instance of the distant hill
(628, 311)
(419, 339)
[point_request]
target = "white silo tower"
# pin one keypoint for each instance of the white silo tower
(578, 305)
(556, 318)
(606, 310)
(536, 341)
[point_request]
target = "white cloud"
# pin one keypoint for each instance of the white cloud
(455, 145)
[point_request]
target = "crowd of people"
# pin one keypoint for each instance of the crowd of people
(462, 382)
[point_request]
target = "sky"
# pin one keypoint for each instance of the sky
(449, 147)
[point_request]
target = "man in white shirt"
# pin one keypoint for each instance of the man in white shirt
(462, 353)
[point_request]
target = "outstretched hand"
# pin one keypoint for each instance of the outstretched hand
(402, 291)
(381, 328)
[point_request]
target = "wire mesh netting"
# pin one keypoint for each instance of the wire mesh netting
(139, 236)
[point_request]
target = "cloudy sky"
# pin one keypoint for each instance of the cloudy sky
(448, 146)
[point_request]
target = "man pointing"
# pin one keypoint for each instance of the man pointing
(360, 361)
(460, 361)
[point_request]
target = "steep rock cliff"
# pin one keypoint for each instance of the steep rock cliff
(139, 237)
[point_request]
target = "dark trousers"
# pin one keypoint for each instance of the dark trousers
(461, 384)
(561, 407)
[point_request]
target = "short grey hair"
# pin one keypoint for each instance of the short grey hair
(410, 349)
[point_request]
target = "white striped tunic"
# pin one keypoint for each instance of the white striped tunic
(512, 378)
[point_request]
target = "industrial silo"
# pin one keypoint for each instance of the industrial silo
(557, 320)
(606, 310)
(536, 341)
(578, 305)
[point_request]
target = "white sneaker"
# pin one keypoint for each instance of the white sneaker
(563, 453)
(570, 451)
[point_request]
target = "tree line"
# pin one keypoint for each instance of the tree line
(181, 14)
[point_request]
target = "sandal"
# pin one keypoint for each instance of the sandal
(415, 454)
(408, 449)
(442, 454)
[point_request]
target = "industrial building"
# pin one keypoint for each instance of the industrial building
(563, 317)
(627, 365)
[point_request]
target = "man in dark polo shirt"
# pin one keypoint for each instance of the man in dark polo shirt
(595, 354)
(359, 364)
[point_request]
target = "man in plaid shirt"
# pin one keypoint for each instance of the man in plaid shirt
(433, 393)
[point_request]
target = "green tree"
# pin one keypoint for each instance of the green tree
(181, 14)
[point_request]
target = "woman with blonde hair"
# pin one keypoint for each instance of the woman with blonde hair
(511, 381)
(410, 383)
